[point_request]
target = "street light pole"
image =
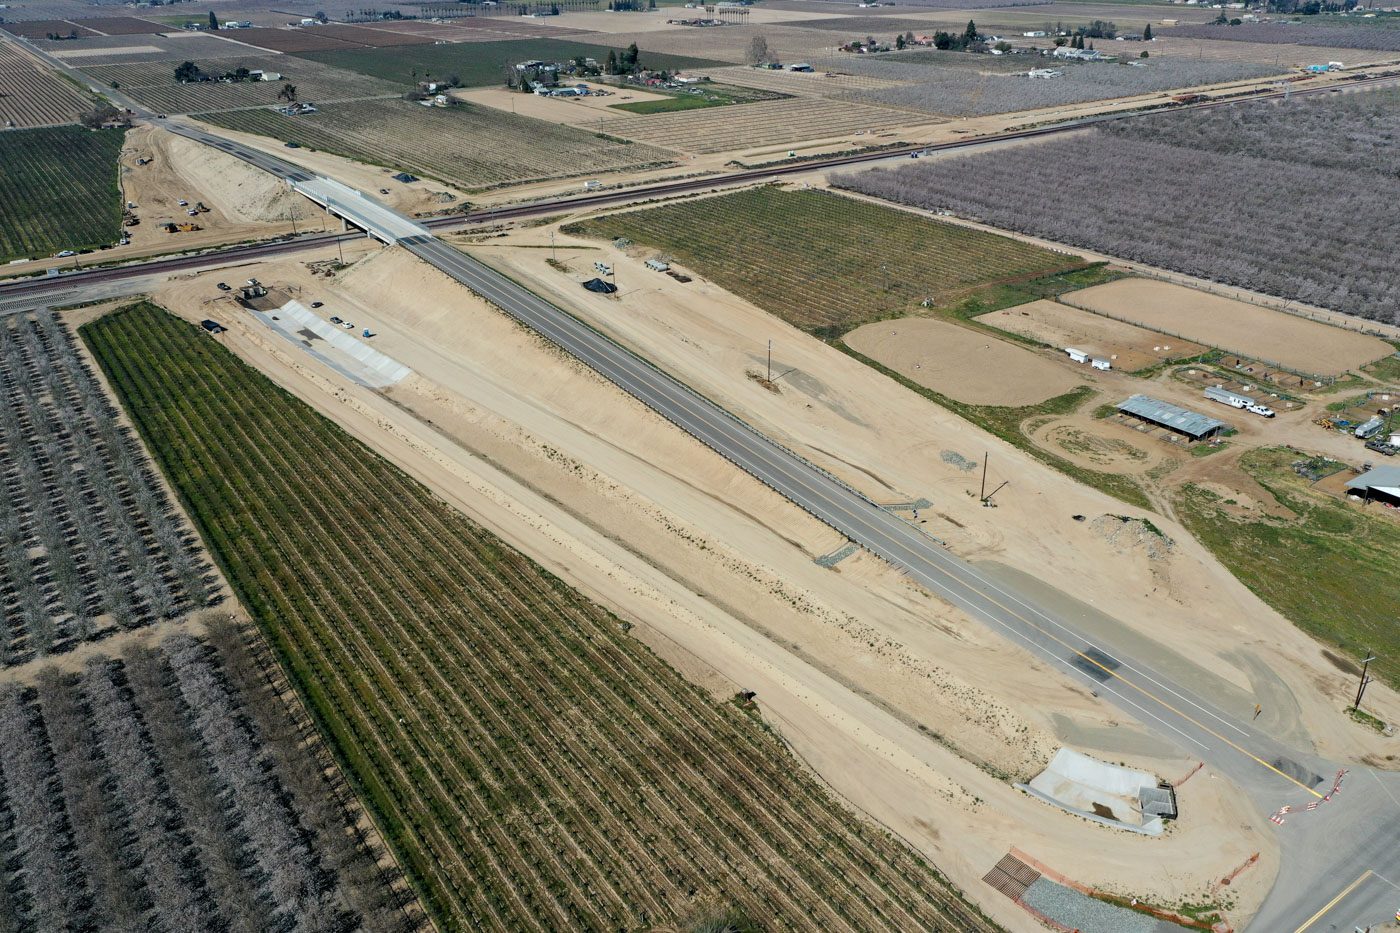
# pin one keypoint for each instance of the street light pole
(1361, 687)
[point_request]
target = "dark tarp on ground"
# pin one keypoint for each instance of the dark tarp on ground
(599, 286)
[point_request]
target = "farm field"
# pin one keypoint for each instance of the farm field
(765, 123)
(1127, 346)
(1249, 330)
(966, 93)
(1341, 37)
(43, 28)
(460, 145)
(34, 95)
(962, 363)
(1325, 200)
(294, 40)
(58, 190)
(478, 64)
(77, 491)
(153, 83)
(122, 25)
(168, 789)
(112, 50)
(823, 262)
(1278, 56)
(533, 766)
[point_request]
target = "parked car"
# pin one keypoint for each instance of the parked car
(317, 304)
(336, 320)
(224, 287)
(65, 254)
(183, 203)
(347, 325)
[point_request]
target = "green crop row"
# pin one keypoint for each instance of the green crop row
(58, 190)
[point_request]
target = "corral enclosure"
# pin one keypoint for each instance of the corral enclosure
(532, 764)
(1127, 346)
(824, 262)
(962, 363)
(467, 145)
(1297, 208)
(58, 190)
(1249, 330)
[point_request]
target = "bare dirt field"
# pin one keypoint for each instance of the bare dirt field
(962, 363)
(1246, 329)
(243, 202)
(1127, 346)
(769, 122)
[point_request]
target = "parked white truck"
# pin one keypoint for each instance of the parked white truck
(1236, 400)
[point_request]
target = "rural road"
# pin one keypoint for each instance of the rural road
(1339, 863)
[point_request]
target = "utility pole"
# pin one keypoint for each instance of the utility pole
(553, 254)
(770, 364)
(1361, 688)
(885, 275)
(983, 493)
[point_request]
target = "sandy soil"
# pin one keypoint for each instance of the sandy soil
(1127, 346)
(877, 685)
(1251, 331)
(962, 363)
(412, 198)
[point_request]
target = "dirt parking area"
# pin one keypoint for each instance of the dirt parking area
(1258, 333)
(962, 363)
(1129, 347)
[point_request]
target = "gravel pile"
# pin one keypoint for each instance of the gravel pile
(1068, 907)
(958, 460)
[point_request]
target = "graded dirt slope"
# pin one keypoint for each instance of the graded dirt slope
(1127, 346)
(1246, 329)
(961, 363)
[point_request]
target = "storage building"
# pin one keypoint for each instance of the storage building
(1188, 423)
(1379, 485)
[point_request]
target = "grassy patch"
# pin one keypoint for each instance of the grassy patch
(697, 97)
(1386, 370)
(1366, 719)
(58, 190)
(532, 765)
(824, 262)
(1206, 449)
(1328, 570)
(481, 64)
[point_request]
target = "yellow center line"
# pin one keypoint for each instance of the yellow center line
(1333, 902)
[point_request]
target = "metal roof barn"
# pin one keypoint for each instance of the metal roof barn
(1190, 423)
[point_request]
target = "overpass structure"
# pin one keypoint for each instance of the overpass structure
(340, 200)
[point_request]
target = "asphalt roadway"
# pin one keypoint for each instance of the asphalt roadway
(1340, 861)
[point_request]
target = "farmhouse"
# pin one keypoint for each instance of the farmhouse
(1379, 485)
(1162, 414)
